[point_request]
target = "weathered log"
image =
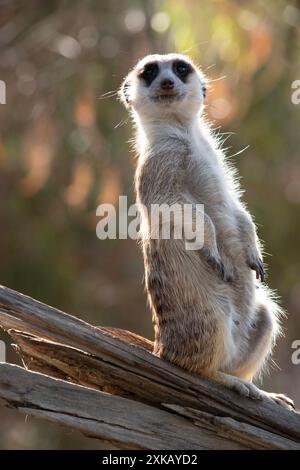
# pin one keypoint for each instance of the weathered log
(113, 375)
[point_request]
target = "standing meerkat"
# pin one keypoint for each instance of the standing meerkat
(209, 316)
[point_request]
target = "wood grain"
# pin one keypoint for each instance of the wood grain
(122, 365)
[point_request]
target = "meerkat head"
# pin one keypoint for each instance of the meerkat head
(164, 85)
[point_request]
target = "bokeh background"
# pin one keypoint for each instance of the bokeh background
(64, 150)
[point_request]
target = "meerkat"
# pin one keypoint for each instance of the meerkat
(209, 316)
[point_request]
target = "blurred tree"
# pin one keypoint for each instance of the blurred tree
(63, 150)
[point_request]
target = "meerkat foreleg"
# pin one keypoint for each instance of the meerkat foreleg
(210, 249)
(250, 242)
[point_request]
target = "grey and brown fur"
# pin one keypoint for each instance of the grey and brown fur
(209, 316)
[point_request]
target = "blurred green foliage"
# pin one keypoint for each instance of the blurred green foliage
(64, 149)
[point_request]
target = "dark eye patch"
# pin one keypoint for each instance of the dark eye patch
(182, 69)
(149, 73)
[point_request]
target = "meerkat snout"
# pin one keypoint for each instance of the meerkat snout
(167, 84)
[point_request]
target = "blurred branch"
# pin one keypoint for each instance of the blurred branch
(121, 392)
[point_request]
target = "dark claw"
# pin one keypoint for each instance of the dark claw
(228, 278)
(218, 266)
(258, 267)
(220, 269)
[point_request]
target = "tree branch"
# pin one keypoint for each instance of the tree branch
(148, 403)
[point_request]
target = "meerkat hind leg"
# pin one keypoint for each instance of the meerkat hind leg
(248, 389)
(241, 386)
(260, 344)
(280, 399)
(263, 331)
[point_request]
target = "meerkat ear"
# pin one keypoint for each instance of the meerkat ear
(124, 92)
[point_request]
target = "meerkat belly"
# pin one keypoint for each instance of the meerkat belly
(190, 306)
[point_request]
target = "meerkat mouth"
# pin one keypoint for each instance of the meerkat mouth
(166, 97)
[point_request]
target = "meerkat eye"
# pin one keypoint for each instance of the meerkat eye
(182, 69)
(149, 73)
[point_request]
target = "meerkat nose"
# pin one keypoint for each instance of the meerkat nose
(167, 84)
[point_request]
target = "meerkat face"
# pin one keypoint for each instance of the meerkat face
(163, 85)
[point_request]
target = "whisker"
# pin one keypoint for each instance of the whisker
(210, 66)
(121, 123)
(224, 140)
(216, 79)
(239, 152)
(108, 94)
(227, 133)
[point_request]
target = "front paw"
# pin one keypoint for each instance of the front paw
(258, 266)
(218, 266)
